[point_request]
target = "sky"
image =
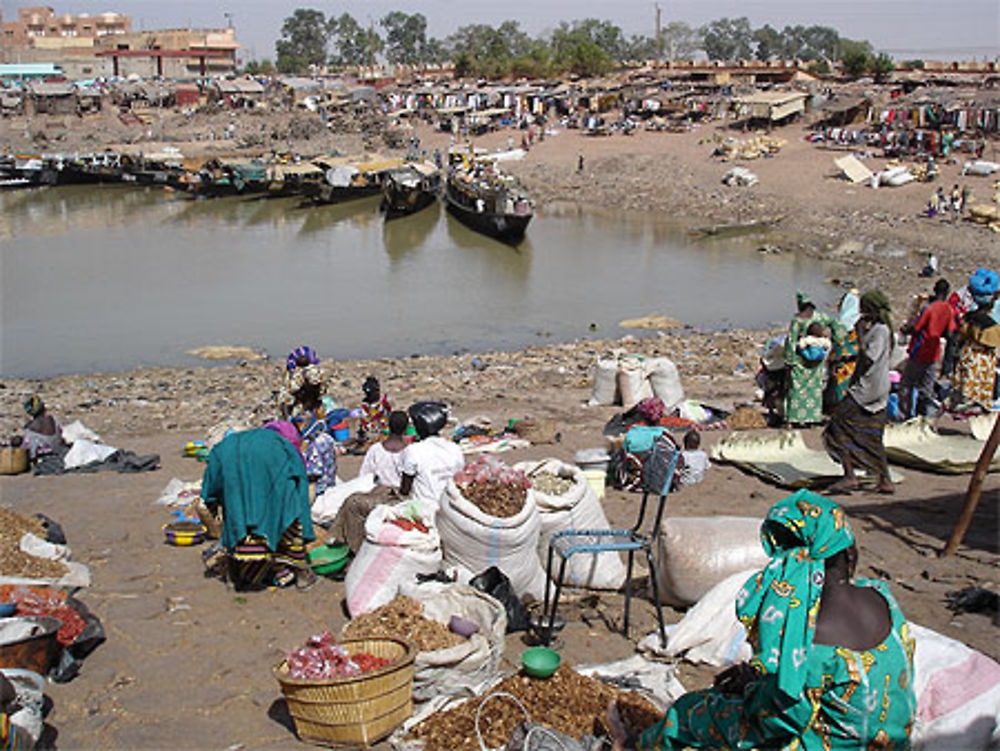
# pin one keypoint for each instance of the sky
(932, 29)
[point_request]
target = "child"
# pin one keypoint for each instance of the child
(375, 410)
(695, 460)
(816, 344)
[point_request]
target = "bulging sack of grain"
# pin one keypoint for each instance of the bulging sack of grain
(665, 381)
(605, 392)
(473, 541)
(576, 508)
(698, 552)
(390, 556)
(633, 381)
(459, 669)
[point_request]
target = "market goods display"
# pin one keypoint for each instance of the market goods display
(498, 490)
(746, 418)
(46, 602)
(14, 561)
(322, 658)
(403, 618)
(551, 484)
(567, 702)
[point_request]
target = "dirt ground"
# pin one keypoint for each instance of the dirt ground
(188, 658)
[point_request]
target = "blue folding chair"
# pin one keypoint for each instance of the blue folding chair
(657, 477)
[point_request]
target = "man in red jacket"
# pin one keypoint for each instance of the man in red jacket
(936, 320)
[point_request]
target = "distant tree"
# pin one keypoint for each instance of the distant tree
(821, 42)
(640, 47)
(912, 64)
(769, 42)
(479, 50)
(728, 39)
(818, 67)
(258, 68)
(304, 36)
(604, 34)
(854, 57)
(535, 63)
(576, 50)
(354, 44)
(405, 37)
(881, 66)
(680, 41)
(435, 51)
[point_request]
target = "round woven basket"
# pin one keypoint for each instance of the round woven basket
(357, 710)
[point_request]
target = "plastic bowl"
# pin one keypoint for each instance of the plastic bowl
(328, 559)
(184, 533)
(7, 609)
(540, 662)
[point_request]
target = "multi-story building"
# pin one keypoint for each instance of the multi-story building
(40, 22)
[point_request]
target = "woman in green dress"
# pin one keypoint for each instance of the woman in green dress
(806, 376)
(833, 660)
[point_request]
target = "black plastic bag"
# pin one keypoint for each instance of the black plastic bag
(495, 583)
(428, 418)
(92, 635)
(53, 530)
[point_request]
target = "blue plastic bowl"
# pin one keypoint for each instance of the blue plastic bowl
(7, 609)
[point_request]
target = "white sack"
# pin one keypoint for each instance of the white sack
(458, 670)
(577, 508)
(633, 381)
(696, 553)
(665, 381)
(84, 452)
(474, 541)
(76, 431)
(36, 546)
(389, 557)
(327, 505)
(605, 391)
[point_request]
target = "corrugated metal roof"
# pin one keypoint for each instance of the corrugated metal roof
(41, 88)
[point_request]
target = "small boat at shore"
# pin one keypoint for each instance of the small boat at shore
(489, 202)
(293, 179)
(410, 189)
(346, 180)
(229, 177)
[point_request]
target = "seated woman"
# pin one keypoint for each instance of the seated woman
(301, 402)
(42, 433)
(259, 479)
(833, 660)
(375, 411)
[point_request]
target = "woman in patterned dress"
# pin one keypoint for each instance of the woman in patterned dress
(807, 378)
(976, 373)
(833, 659)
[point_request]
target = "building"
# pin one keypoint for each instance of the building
(171, 53)
(42, 23)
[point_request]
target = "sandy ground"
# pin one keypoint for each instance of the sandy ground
(187, 658)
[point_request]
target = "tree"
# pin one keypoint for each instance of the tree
(304, 36)
(728, 39)
(854, 57)
(259, 68)
(640, 47)
(481, 50)
(405, 38)
(576, 49)
(356, 46)
(769, 42)
(435, 51)
(881, 66)
(680, 41)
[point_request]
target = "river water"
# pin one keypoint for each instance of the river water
(105, 278)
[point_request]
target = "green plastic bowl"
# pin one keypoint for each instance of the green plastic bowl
(540, 662)
(329, 559)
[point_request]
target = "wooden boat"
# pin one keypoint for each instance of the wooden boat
(346, 180)
(228, 178)
(293, 179)
(160, 168)
(409, 189)
(489, 202)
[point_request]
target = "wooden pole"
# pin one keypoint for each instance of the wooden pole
(975, 488)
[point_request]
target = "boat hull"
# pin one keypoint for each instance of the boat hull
(507, 228)
(398, 202)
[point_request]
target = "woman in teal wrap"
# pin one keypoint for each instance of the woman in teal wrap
(832, 662)
(806, 375)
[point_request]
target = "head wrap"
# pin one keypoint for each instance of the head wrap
(33, 405)
(802, 299)
(371, 386)
(778, 605)
(875, 304)
(651, 409)
(983, 284)
(301, 352)
(287, 431)
(850, 309)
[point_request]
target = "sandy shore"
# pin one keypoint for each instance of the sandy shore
(186, 656)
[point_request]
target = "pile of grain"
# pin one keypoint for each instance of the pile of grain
(403, 618)
(15, 562)
(551, 484)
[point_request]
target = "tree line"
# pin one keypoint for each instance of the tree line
(587, 47)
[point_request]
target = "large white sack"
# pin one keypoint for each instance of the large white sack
(665, 381)
(388, 558)
(473, 541)
(327, 505)
(698, 552)
(958, 695)
(84, 452)
(605, 391)
(633, 381)
(577, 508)
(459, 669)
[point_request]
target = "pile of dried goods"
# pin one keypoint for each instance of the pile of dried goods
(15, 562)
(47, 602)
(550, 484)
(568, 702)
(322, 658)
(497, 489)
(746, 418)
(403, 618)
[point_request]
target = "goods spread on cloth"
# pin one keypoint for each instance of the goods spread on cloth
(917, 444)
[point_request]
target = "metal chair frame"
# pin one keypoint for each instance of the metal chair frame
(628, 541)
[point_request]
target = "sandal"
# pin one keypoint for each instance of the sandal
(305, 579)
(842, 487)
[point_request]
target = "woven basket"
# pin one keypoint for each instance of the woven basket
(360, 710)
(13, 461)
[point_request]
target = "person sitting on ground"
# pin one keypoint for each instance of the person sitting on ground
(694, 461)
(42, 433)
(301, 401)
(259, 480)
(429, 463)
(854, 436)
(832, 664)
(936, 320)
(375, 410)
(383, 459)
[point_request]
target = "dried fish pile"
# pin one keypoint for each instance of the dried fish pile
(15, 562)
(746, 418)
(567, 702)
(497, 489)
(550, 484)
(403, 618)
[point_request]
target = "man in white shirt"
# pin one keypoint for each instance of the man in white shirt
(384, 459)
(428, 464)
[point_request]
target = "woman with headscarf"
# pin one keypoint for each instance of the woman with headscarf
(301, 402)
(854, 436)
(844, 358)
(974, 386)
(832, 659)
(807, 373)
(42, 433)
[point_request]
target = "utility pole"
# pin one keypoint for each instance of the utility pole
(659, 35)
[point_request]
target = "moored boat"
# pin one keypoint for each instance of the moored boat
(346, 180)
(409, 189)
(489, 202)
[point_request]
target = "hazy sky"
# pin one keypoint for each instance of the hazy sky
(936, 29)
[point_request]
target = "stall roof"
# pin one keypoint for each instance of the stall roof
(41, 88)
(240, 86)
